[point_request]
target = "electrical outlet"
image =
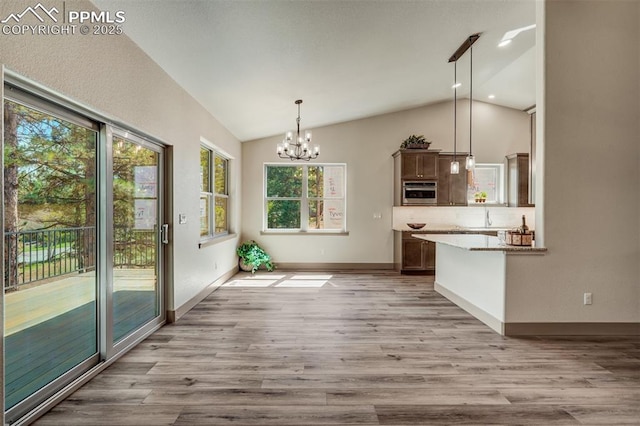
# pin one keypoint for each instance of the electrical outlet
(182, 218)
(588, 298)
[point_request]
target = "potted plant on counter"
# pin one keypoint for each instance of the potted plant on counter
(480, 197)
(252, 256)
(415, 142)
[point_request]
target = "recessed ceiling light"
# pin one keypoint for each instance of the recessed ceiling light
(455, 86)
(492, 96)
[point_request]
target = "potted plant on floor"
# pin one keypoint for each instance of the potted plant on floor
(252, 256)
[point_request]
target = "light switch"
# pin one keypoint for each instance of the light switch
(182, 218)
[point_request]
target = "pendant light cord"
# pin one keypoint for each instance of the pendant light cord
(455, 108)
(470, 98)
(298, 122)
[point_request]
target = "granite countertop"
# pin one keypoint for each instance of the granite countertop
(451, 230)
(477, 242)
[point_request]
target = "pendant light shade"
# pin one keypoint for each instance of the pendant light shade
(470, 163)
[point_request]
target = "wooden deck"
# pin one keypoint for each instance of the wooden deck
(354, 348)
(52, 327)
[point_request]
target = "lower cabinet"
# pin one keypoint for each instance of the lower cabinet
(418, 256)
(415, 256)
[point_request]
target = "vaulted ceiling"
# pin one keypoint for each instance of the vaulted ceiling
(248, 61)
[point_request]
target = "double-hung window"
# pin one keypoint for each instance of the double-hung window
(214, 193)
(305, 198)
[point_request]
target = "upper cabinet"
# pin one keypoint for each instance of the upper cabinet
(417, 164)
(452, 189)
(518, 180)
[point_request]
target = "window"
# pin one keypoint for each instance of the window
(487, 178)
(214, 193)
(308, 198)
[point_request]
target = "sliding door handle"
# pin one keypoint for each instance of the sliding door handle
(164, 234)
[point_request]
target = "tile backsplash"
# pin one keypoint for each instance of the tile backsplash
(469, 217)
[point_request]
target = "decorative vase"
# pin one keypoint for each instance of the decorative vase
(245, 266)
(418, 145)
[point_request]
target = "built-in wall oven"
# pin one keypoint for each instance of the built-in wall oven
(419, 193)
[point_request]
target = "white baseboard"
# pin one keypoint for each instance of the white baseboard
(174, 315)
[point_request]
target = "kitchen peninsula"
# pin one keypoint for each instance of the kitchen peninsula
(472, 271)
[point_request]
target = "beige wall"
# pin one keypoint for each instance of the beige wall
(590, 200)
(112, 75)
(366, 147)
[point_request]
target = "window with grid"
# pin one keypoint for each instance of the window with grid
(306, 198)
(214, 193)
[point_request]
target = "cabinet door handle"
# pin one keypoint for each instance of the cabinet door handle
(417, 166)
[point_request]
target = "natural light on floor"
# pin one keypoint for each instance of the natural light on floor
(280, 281)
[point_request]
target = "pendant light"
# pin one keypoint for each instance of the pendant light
(467, 44)
(471, 160)
(455, 165)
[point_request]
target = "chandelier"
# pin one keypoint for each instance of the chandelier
(300, 149)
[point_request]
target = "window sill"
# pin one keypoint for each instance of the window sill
(216, 240)
(307, 233)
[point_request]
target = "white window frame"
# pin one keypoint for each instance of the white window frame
(304, 200)
(499, 171)
(210, 193)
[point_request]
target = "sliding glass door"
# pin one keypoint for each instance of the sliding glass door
(136, 243)
(83, 241)
(50, 219)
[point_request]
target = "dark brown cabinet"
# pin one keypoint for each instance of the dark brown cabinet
(417, 256)
(413, 165)
(452, 189)
(518, 180)
(419, 164)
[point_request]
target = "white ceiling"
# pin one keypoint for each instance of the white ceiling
(248, 61)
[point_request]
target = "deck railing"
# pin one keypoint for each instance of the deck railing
(32, 256)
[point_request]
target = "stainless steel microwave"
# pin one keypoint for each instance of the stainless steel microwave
(419, 193)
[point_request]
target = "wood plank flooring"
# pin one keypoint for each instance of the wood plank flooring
(354, 348)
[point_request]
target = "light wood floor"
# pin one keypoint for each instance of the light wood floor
(356, 348)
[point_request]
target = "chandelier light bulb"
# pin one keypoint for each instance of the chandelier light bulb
(455, 167)
(289, 136)
(307, 135)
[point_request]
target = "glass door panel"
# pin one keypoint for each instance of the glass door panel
(50, 283)
(136, 194)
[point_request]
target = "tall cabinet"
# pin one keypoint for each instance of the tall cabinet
(518, 180)
(412, 255)
(413, 165)
(452, 189)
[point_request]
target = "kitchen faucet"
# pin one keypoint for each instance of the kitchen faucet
(487, 219)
